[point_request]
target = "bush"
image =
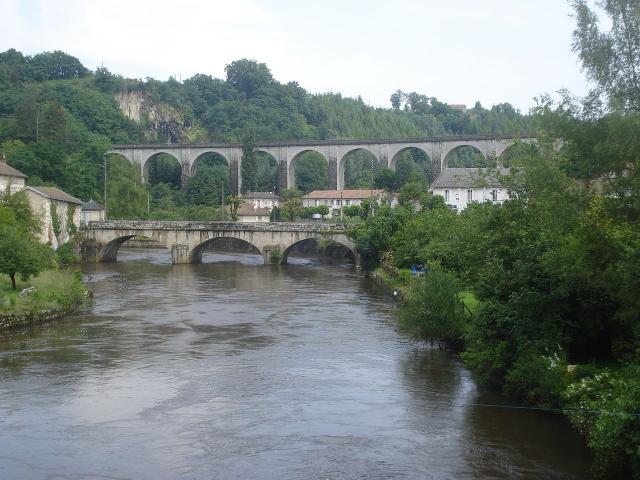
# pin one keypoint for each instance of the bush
(538, 379)
(66, 254)
(275, 256)
(432, 310)
(604, 408)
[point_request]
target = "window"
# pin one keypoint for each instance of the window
(317, 202)
(494, 195)
(469, 195)
(347, 202)
(446, 195)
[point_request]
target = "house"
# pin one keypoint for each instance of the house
(249, 212)
(261, 199)
(92, 212)
(59, 213)
(257, 206)
(462, 186)
(336, 199)
(10, 176)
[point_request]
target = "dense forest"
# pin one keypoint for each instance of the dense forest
(57, 118)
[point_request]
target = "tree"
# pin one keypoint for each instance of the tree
(323, 210)
(249, 181)
(311, 172)
(20, 211)
(385, 179)
(208, 186)
(234, 202)
(410, 193)
(291, 208)
(352, 211)
(21, 254)
(248, 76)
(611, 59)
(291, 193)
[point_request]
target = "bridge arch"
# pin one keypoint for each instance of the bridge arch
(333, 239)
(109, 251)
(464, 155)
(173, 174)
(346, 156)
(393, 161)
(291, 169)
(198, 250)
(209, 156)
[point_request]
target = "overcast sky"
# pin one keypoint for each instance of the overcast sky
(459, 51)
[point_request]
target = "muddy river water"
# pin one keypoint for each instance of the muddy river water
(234, 370)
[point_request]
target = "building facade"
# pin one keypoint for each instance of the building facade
(11, 178)
(462, 186)
(92, 211)
(58, 211)
(336, 199)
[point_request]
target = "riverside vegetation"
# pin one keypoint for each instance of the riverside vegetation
(37, 280)
(550, 277)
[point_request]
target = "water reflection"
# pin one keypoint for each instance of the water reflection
(236, 370)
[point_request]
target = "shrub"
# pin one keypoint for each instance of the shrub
(538, 379)
(604, 408)
(433, 311)
(275, 256)
(66, 254)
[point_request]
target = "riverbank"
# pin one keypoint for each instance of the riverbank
(50, 296)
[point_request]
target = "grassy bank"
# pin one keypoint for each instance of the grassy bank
(52, 289)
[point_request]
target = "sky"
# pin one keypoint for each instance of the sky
(460, 51)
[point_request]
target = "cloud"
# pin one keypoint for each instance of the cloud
(463, 51)
(144, 37)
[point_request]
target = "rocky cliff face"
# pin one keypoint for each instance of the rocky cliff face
(161, 122)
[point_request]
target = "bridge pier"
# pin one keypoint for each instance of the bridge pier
(180, 254)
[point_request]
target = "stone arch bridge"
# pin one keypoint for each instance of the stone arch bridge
(386, 153)
(187, 240)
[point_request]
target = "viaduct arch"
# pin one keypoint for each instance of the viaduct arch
(386, 152)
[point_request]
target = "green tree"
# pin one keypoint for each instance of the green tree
(411, 193)
(21, 254)
(611, 58)
(291, 208)
(385, 179)
(433, 310)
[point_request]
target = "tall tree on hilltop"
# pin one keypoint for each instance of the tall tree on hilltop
(248, 76)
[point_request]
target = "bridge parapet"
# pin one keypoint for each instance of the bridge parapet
(191, 225)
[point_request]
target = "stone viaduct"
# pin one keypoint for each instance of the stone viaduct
(187, 240)
(334, 152)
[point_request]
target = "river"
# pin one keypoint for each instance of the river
(234, 370)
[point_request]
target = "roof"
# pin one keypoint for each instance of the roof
(92, 205)
(260, 195)
(344, 194)
(468, 178)
(248, 209)
(54, 193)
(8, 171)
